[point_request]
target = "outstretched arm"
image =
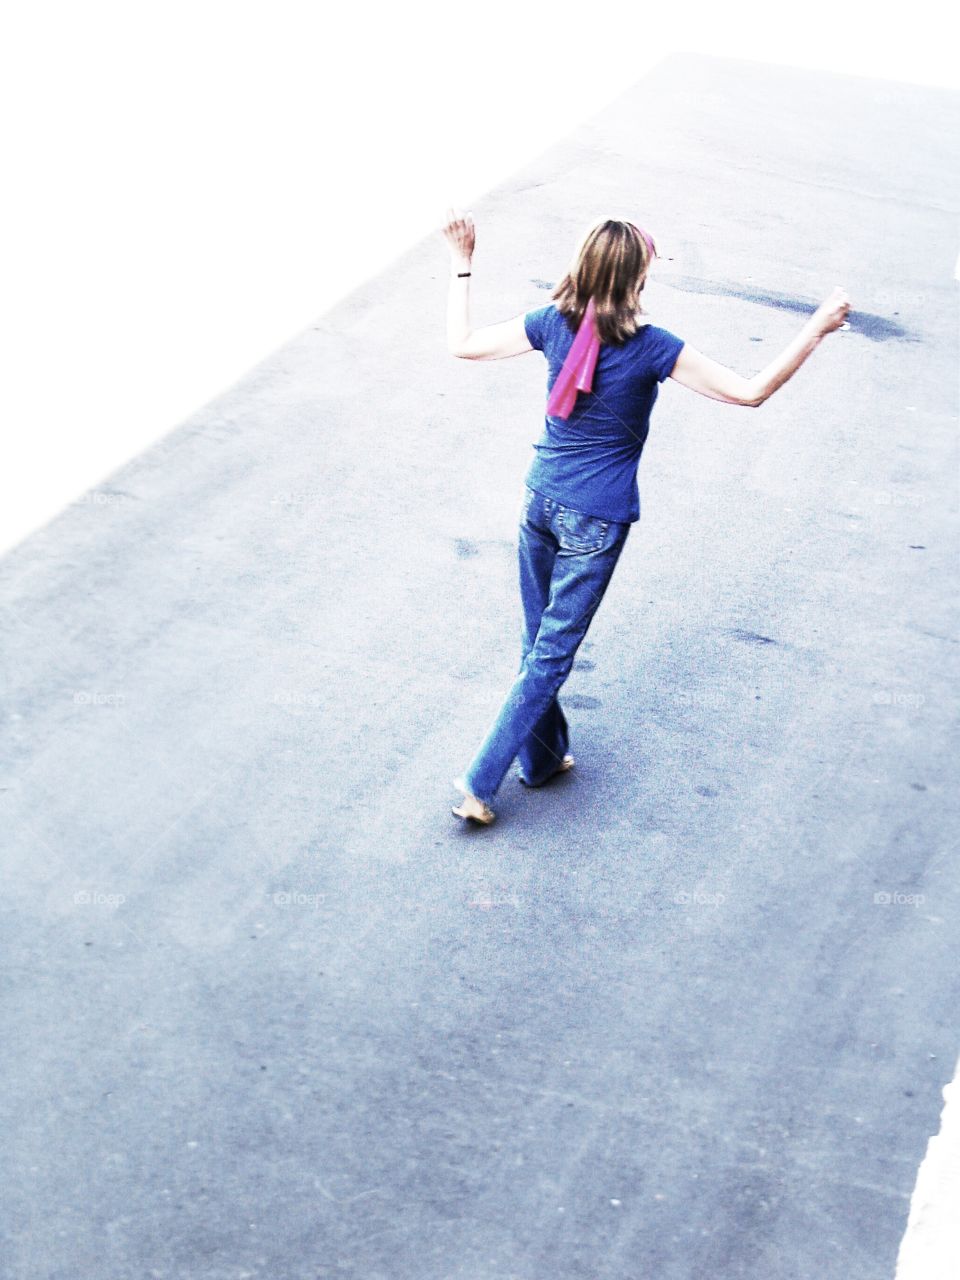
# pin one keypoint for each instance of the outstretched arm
(495, 340)
(701, 374)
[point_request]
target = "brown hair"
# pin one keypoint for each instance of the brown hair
(610, 265)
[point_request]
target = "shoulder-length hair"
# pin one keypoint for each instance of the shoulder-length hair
(610, 265)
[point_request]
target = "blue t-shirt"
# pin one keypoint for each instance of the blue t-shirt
(589, 460)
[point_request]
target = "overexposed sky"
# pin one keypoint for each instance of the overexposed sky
(190, 184)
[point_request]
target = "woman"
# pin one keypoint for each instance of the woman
(580, 496)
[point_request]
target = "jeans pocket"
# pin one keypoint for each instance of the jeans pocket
(579, 532)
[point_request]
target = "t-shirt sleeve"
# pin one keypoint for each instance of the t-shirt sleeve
(533, 322)
(668, 348)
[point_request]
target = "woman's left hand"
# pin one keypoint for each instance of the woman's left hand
(461, 235)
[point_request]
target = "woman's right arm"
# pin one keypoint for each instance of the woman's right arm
(701, 374)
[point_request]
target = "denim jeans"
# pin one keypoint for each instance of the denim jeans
(566, 561)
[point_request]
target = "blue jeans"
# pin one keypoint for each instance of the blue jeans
(566, 561)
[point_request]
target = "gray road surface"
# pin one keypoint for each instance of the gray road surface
(270, 1010)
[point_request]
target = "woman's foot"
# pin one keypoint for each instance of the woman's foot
(565, 764)
(471, 807)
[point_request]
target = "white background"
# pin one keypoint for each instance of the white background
(189, 184)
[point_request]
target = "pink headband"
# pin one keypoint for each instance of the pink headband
(577, 371)
(648, 241)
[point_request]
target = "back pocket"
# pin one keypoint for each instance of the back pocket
(580, 532)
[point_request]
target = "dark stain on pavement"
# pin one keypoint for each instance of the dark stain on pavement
(934, 635)
(876, 328)
(464, 548)
(583, 664)
(750, 637)
(580, 702)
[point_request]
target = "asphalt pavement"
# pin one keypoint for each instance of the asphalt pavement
(270, 1010)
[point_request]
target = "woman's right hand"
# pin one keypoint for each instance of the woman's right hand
(832, 312)
(461, 235)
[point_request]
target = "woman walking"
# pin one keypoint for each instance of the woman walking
(580, 497)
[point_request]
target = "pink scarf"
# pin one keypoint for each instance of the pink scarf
(577, 371)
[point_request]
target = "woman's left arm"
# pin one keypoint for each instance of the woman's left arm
(494, 341)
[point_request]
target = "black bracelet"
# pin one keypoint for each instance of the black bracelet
(464, 273)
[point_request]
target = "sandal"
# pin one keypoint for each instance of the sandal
(471, 807)
(566, 763)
